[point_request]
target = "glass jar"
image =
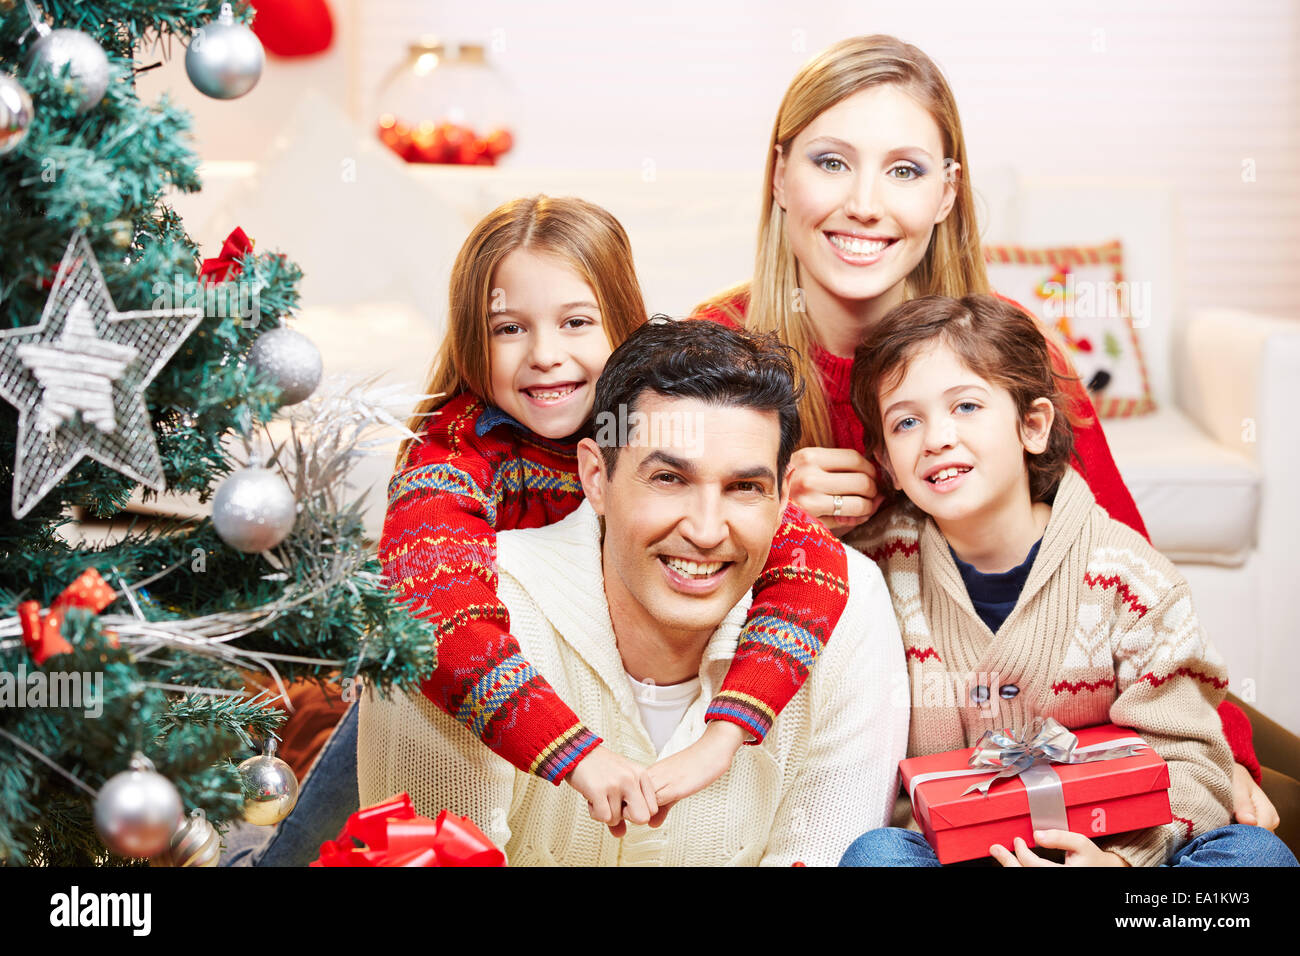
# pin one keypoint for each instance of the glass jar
(439, 108)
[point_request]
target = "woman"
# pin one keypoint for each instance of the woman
(867, 203)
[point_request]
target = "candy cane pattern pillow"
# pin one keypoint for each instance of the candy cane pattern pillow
(1079, 293)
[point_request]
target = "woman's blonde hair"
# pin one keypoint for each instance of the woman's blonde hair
(590, 240)
(953, 264)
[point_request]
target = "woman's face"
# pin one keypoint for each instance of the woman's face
(547, 343)
(863, 186)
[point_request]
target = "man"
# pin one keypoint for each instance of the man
(632, 606)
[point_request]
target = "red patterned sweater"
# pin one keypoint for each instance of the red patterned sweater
(1092, 459)
(478, 470)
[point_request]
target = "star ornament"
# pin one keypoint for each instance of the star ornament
(78, 379)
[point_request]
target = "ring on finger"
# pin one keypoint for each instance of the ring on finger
(839, 505)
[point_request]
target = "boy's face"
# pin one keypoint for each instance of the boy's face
(953, 441)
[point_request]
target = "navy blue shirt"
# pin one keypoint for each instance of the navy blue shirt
(995, 595)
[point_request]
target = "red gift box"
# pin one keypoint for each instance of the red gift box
(1131, 792)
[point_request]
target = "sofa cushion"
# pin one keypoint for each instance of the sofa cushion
(1199, 499)
(1081, 295)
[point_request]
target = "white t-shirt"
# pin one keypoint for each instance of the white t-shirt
(663, 706)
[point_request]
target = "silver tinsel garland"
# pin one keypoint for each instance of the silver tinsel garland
(329, 431)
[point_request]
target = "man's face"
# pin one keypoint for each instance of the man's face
(690, 512)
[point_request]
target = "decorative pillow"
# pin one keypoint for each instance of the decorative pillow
(1080, 295)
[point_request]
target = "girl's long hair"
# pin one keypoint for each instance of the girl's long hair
(590, 240)
(953, 264)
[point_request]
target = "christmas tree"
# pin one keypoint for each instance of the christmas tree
(123, 369)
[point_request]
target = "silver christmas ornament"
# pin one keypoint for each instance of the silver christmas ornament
(195, 843)
(86, 60)
(270, 788)
(137, 811)
(253, 510)
(290, 360)
(225, 58)
(16, 114)
(78, 379)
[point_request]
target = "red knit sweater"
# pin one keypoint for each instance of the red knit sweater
(477, 470)
(1092, 459)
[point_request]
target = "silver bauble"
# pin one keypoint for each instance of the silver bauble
(225, 58)
(16, 114)
(137, 811)
(290, 360)
(89, 64)
(253, 510)
(270, 788)
(196, 843)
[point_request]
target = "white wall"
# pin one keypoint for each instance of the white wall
(1193, 91)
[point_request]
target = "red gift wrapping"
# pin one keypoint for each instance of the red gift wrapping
(393, 834)
(1132, 793)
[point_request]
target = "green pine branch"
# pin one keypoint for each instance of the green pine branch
(107, 172)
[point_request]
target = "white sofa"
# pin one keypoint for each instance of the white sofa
(1209, 470)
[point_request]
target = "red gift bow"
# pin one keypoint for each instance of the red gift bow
(226, 266)
(394, 835)
(42, 633)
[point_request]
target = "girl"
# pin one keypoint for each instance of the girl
(867, 203)
(541, 293)
(1001, 563)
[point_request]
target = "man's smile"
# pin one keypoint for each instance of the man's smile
(696, 577)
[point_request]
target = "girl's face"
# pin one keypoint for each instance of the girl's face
(547, 343)
(953, 440)
(863, 186)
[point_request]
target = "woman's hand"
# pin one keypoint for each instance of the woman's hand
(820, 474)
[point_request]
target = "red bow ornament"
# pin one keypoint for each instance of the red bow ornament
(226, 266)
(393, 834)
(42, 633)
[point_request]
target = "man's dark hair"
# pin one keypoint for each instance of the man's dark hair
(700, 359)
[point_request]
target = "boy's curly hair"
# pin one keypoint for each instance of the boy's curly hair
(997, 341)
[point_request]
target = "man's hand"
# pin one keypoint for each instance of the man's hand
(1079, 851)
(617, 789)
(821, 474)
(1249, 803)
(691, 770)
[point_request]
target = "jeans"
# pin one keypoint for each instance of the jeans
(1234, 845)
(327, 797)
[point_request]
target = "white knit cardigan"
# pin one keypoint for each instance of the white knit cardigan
(826, 772)
(1103, 631)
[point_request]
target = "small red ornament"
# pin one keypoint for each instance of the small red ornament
(226, 265)
(499, 142)
(42, 633)
(291, 28)
(447, 143)
(473, 152)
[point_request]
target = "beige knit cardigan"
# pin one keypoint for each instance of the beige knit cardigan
(1104, 631)
(826, 772)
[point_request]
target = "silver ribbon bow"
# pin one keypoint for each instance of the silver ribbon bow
(1030, 756)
